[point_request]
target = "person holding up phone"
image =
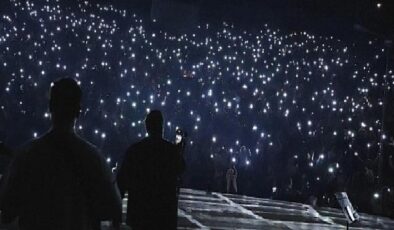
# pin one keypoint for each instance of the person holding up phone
(149, 174)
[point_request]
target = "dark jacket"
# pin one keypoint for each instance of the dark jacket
(5, 158)
(59, 182)
(149, 174)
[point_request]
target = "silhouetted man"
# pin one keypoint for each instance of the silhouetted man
(149, 174)
(5, 159)
(59, 181)
(5, 156)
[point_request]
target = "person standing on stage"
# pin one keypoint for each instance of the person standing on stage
(231, 179)
(60, 181)
(5, 158)
(149, 174)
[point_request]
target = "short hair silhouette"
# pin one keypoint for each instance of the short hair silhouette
(154, 123)
(65, 100)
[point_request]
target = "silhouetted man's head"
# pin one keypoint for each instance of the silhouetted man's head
(154, 123)
(65, 101)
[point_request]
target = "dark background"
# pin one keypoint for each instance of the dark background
(320, 16)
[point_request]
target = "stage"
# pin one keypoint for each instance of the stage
(199, 210)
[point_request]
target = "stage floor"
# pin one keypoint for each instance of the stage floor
(199, 210)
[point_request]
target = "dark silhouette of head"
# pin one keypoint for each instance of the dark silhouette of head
(154, 123)
(65, 102)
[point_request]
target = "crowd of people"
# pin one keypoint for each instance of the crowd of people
(299, 115)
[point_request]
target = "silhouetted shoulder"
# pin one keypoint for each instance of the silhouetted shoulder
(135, 146)
(168, 143)
(150, 143)
(89, 155)
(67, 142)
(169, 146)
(50, 146)
(87, 147)
(30, 148)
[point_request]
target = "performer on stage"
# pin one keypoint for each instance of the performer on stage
(149, 174)
(231, 178)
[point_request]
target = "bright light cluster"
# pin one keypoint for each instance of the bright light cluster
(249, 94)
